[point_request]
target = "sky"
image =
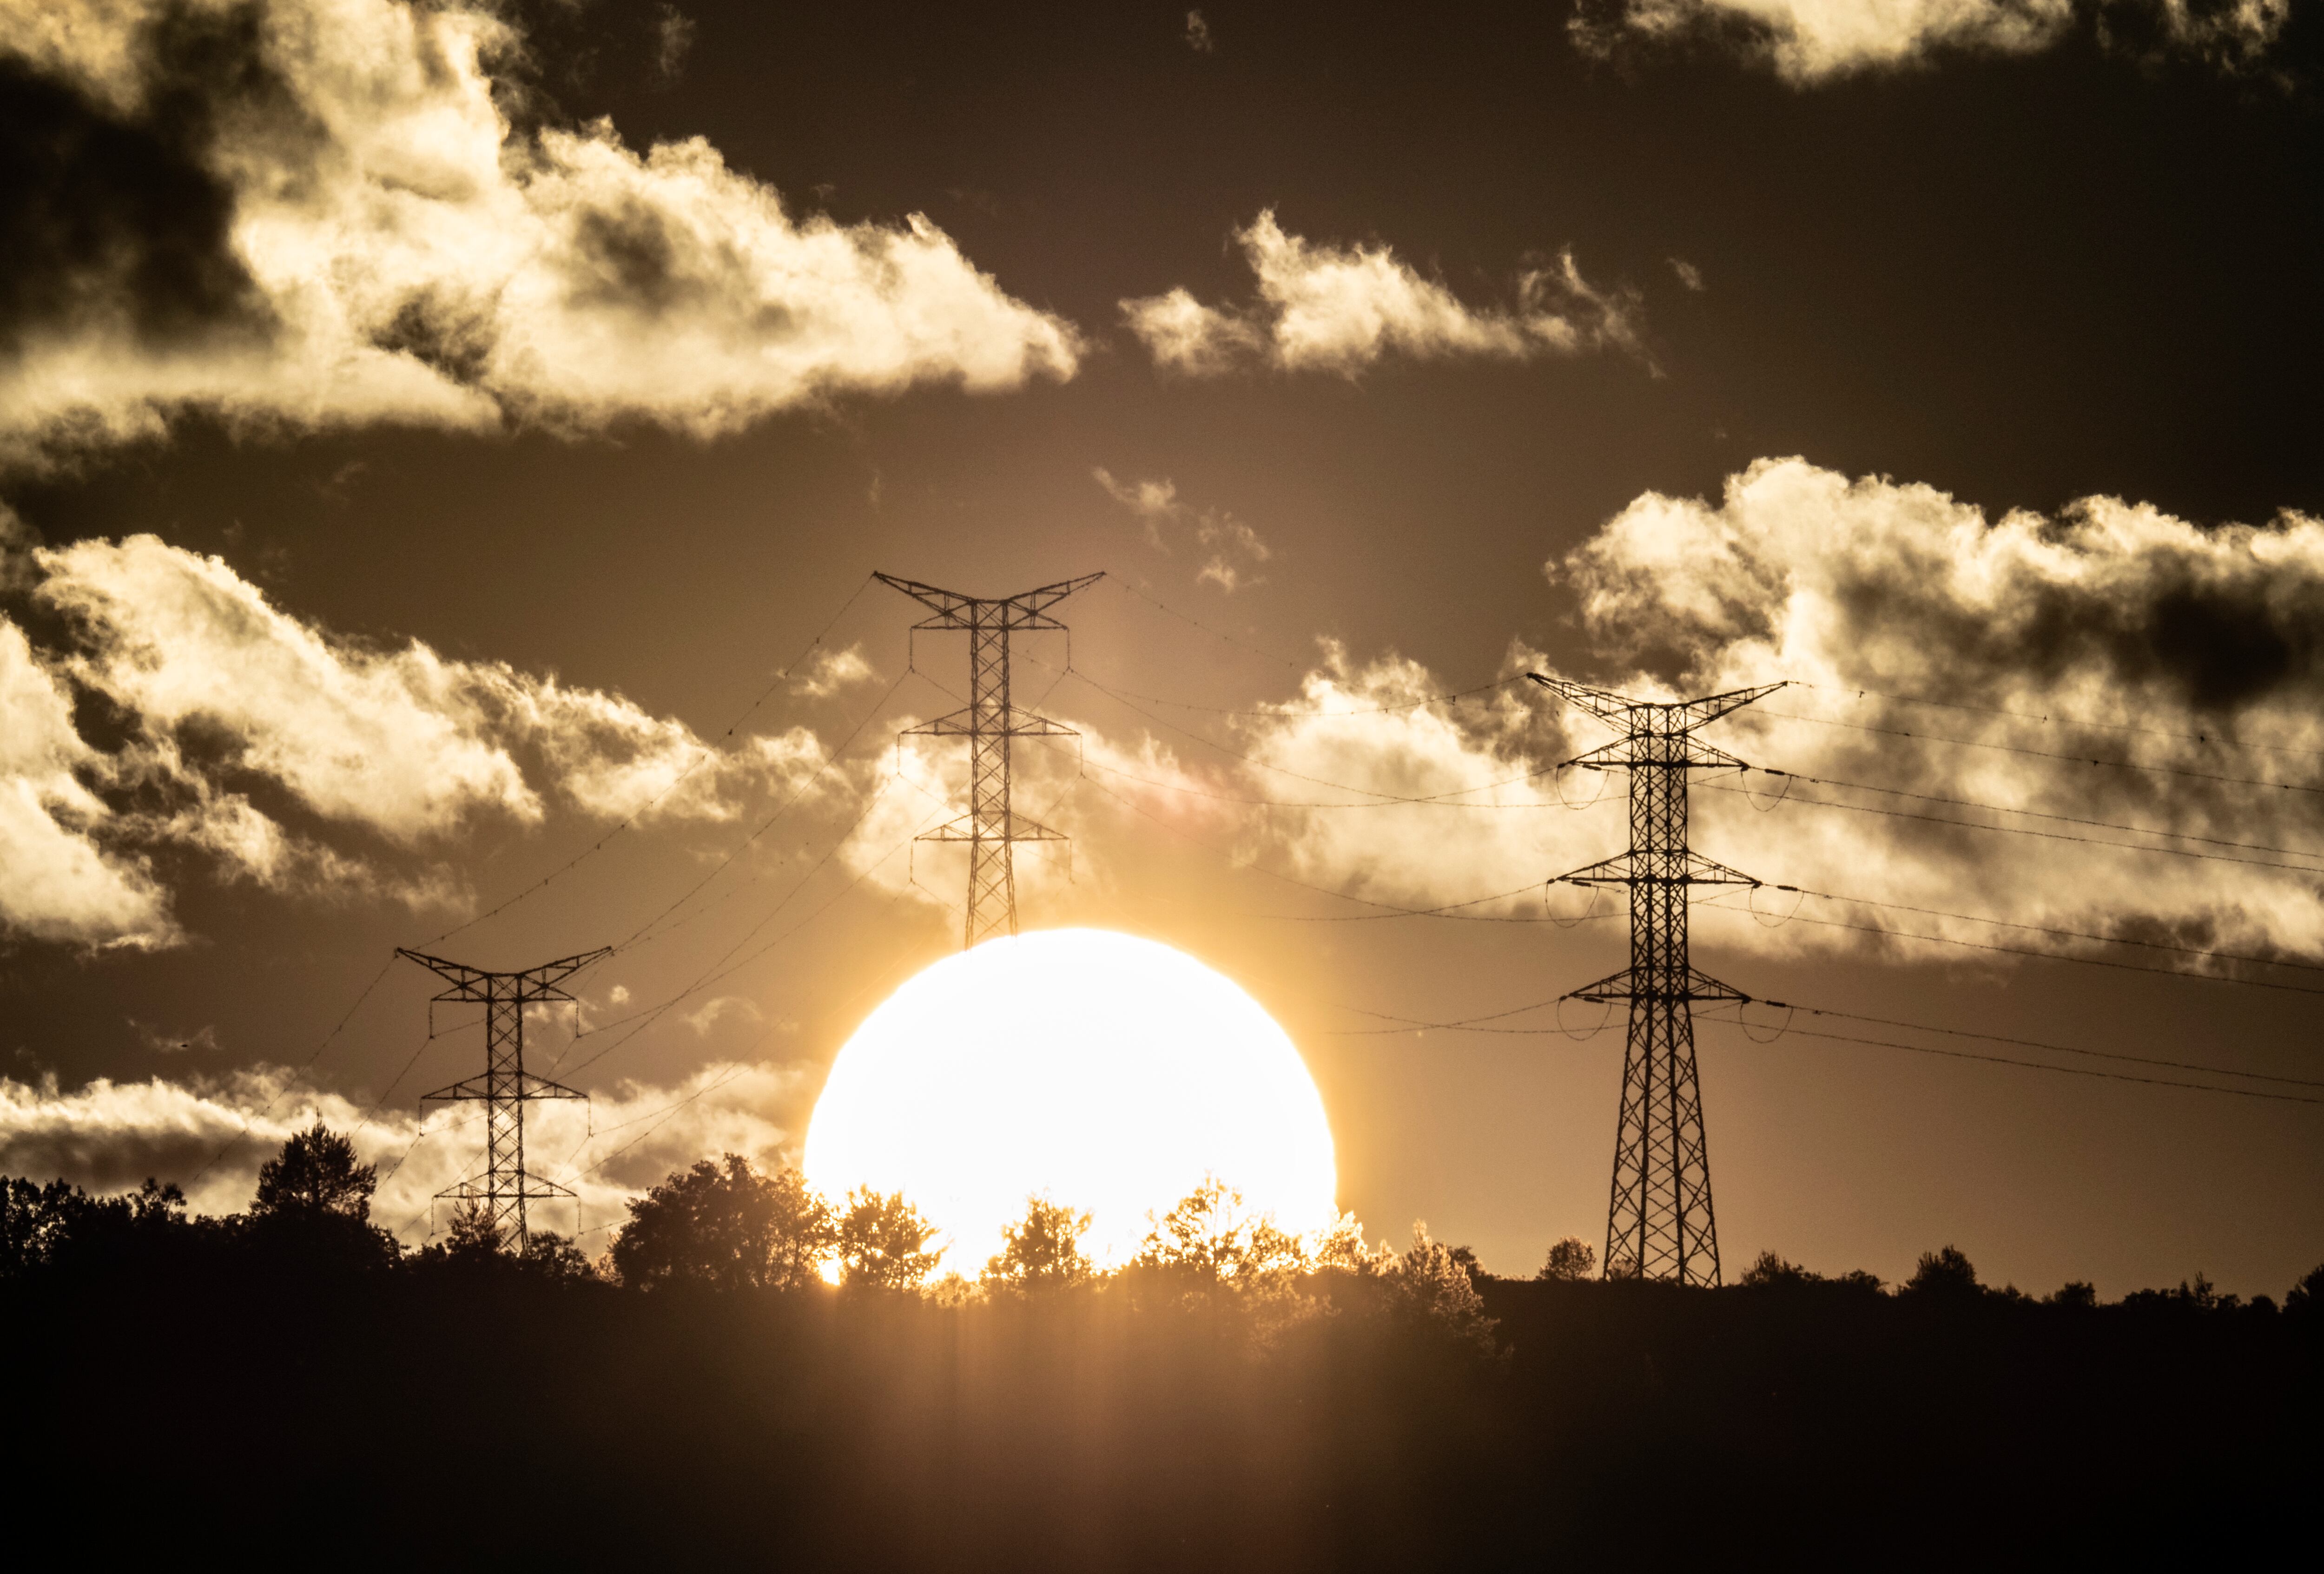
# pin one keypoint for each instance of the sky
(445, 450)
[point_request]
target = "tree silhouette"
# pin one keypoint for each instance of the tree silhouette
(315, 1172)
(1570, 1260)
(883, 1242)
(726, 1226)
(1041, 1251)
(1433, 1290)
(1944, 1273)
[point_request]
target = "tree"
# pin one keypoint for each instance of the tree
(315, 1173)
(1571, 1259)
(1771, 1269)
(2076, 1292)
(726, 1226)
(1041, 1251)
(1434, 1291)
(2306, 1299)
(883, 1242)
(33, 1219)
(1944, 1273)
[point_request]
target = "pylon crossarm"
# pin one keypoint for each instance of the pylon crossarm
(534, 1187)
(529, 1087)
(966, 829)
(1701, 986)
(969, 724)
(1609, 707)
(1033, 602)
(1606, 871)
(1711, 707)
(1709, 872)
(1619, 986)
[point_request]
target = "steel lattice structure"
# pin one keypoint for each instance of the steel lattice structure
(992, 828)
(506, 1087)
(1659, 1223)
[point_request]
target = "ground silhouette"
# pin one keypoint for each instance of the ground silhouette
(1234, 1399)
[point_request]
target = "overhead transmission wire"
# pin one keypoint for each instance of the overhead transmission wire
(2179, 771)
(2036, 815)
(1478, 1025)
(781, 676)
(765, 825)
(2032, 1065)
(2056, 719)
(647, 1017)
(2202, 950)
(304, 1066)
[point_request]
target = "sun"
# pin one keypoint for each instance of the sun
(1098, 1070)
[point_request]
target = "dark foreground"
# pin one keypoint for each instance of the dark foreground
(482, 1413)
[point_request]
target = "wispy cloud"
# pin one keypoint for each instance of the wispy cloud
(317, 213)
(1231, 548)
(1324, 307)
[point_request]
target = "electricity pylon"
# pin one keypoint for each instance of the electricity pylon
(1659, 1223)
(506, 1087)
(990, 827)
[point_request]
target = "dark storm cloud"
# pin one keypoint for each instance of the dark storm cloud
(295, 213)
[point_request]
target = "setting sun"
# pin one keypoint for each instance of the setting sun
(1103, 1071)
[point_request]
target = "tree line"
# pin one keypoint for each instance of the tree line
(727, 1225)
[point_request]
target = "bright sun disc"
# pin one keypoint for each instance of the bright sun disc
(1098, 1070)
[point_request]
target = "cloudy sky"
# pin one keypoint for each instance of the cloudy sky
(444, 450)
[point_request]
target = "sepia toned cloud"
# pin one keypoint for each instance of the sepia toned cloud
(1808, 42)
(2058, 676)
(109, 1136)
(311, 213)
(216, 694)
(1342, 309)
(1232, 549)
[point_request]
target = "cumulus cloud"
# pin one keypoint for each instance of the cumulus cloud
(110, 1135)
(319, 213)
(1231, 548)
(1807, 42)
(2108, 666)
(218, 695)
(1343, 308)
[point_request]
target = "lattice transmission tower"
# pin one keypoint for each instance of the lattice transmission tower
(992, 828)
(1659, 1223)
(504, 1089)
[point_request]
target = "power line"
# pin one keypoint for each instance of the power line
(705, 757)
(829, 760)
(2055, 720)
(2047, 929)
(305, 1066)
(2034, 1064)
(2039, 814)
(2028, 951)
(2048, 754)
(2058, 1048)
(1301, 776)
(2029, 831)
(1214, 633)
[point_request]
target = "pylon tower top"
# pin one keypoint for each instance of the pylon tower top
(1659, 1221)
(991, 827)
(506, 1186)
